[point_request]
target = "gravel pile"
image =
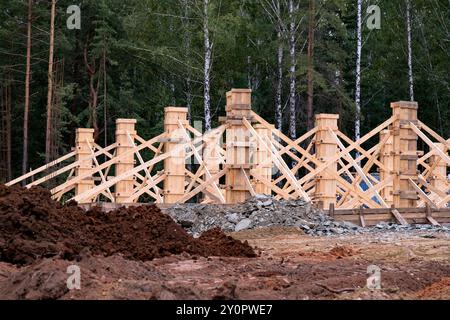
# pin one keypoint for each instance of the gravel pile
(264, 211)
(256, 212)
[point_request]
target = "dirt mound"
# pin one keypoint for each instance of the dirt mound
(33, 226)
(342, 252)
(438, 290)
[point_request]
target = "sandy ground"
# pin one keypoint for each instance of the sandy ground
(290, 265)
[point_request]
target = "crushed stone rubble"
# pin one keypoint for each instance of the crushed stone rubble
(265, 211)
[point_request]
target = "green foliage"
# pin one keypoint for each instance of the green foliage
(154, 58)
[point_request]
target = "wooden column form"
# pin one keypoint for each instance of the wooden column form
(326, 148)
(260, 155)
(237, 145)
(387, 159)
(438, 177)
(211, 159)
(83, 138)
(124, 188)
(405, 154)
(174, 166)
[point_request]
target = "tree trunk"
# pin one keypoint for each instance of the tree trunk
(187, 54)
(93, 93)
(207, 67)
(410, 64)
(278, 98)
(358, 73)
(105, 100)
(311, 27)
(27, 90)
(49, 132)
(292, 71)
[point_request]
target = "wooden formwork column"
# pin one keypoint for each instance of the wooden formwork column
(387, 159)
(261, 154)
(124, 129)
(174, 166)
(439, 173)
(238, 145)
(83, 138)
(326, 148)
(211, 159)
(405, 154)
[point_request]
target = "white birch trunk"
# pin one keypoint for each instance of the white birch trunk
(292, 71)
(187, 54)
(278, 116)
(207, 68)
(358, 73)
(410, 64)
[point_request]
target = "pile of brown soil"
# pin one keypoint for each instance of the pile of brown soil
(33, 226)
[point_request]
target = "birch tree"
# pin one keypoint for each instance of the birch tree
(311, 29)
(410, 63)
(273, 12)
(207, 66)
(292, 70)
(358, 71)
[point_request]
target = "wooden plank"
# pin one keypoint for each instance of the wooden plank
(278, 160)
(358, 168)
(203, 186)
(434, 134)
(430, 144)
(200, 161)
(421, 194)
(430, 218)
(361, 218)
(40, 169)
(398, 217)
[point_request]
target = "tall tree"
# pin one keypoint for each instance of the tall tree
(410, 63)
(358, 71)
(48, 132)
(207, 66)
(292, 70)
(311, 29)
(26, 110)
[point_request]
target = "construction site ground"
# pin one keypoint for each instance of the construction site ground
(289, 265)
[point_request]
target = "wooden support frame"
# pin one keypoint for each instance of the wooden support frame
(253, 148)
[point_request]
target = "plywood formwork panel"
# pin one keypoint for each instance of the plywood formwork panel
(386, 158)
(124, 129)
(237, 145)
(262, 167)
(83, 139)
(405, 154)
(174, 166)
(326, 148)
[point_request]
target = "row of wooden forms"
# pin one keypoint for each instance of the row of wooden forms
(323, 165)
